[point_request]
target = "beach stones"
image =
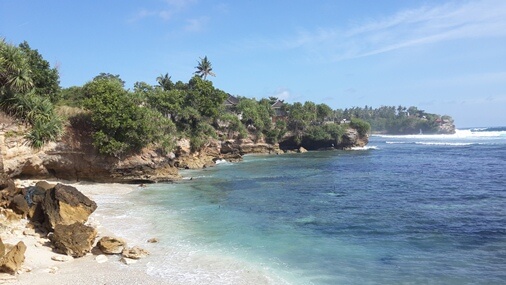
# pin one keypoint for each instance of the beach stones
(13, 260)
(134, 253)
(111, 245)
(75, 240)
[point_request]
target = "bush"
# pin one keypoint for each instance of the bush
(362, 127)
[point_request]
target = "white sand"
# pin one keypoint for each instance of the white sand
(39, 268)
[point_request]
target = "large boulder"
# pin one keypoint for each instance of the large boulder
(13, 260)
(75, 240)
(19, 205)
(111, 245)
(65, 205)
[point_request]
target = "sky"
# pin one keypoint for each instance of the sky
(444, 57)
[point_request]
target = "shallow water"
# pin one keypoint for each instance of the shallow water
(407, 209)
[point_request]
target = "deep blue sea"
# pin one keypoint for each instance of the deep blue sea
(423, 209)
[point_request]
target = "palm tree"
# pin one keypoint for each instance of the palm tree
(15, 73)
(164, 81)
(204, 68)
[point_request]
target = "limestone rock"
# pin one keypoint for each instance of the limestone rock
(75, 240)
(135, 253)
(66, 205)
(111, 245)
(44, 185)
(302, 150)
(2, 248)
(13, 260)
(19, 205)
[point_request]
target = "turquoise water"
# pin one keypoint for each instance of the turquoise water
(404, 210)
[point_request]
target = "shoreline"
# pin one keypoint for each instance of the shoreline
(168, 263)
(39, 268)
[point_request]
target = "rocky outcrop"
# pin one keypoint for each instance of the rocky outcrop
(75, 240)
(111, 245)
(65, 205)
(12, 261)
(74, 158)
(351, 138)
(245, 146)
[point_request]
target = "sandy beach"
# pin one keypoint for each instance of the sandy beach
(40, 268)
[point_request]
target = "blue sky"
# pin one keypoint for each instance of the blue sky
(445, 57)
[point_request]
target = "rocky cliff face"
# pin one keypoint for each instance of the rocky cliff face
(74, 157)
(351, 138)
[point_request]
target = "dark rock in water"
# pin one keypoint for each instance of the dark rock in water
(66, 205)
(111, 245)
(75, 240)
(19, 205)
(13, 260)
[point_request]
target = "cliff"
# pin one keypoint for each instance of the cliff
(74, 158)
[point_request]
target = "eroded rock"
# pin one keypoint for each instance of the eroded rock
(65, 205)
(111, 245)
(75, 240)
(13, 260)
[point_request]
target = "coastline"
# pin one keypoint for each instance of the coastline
(39, 268)
(186, 265)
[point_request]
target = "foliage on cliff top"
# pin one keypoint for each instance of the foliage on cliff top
(27, 87)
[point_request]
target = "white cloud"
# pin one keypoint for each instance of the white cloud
(171, 8)
(406, 28)
(196, 25)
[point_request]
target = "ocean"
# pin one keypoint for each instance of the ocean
(420, 209)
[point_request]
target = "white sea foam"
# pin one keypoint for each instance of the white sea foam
(367, 147)
(445, 143)
(459, 134)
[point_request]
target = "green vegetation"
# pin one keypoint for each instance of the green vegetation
(123, 121)
(396, 120)
(28, 88)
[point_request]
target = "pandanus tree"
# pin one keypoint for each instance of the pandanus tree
(204, 68)
(15, 73)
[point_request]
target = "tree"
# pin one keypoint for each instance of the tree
(121, 126)
(15, 72)
(323, 112)
(204, 68)
(165, 82)
(46, 80)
